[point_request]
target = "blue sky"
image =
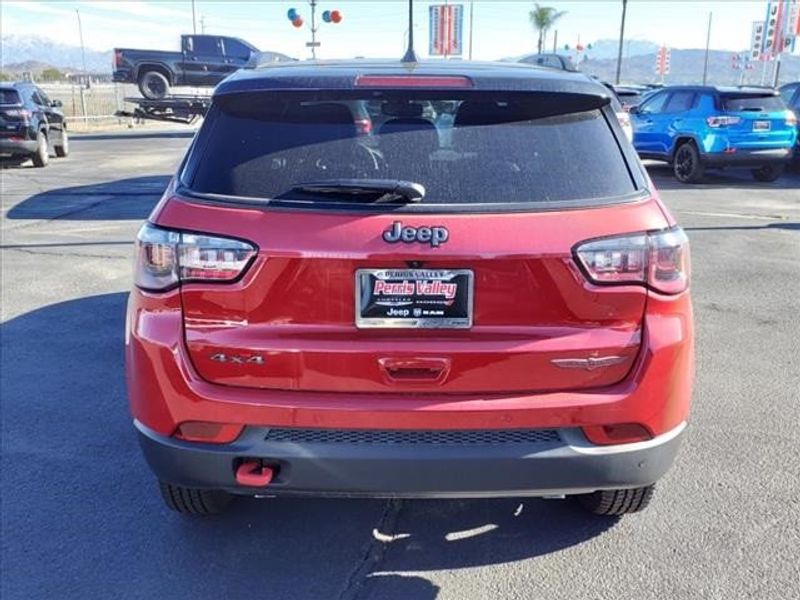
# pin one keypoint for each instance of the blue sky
(377, 28)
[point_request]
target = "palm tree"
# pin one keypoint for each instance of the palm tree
(542, 19)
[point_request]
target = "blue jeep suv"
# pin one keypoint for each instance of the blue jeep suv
(699, 127)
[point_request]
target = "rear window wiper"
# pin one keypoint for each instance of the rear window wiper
(374, 191)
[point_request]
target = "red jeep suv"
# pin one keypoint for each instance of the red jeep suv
(426, 280)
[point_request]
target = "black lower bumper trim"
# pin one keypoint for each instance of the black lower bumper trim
(747, 158)
(570, 465)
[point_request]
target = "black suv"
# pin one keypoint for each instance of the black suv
(31, 125)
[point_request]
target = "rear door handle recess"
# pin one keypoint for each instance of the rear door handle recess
(413, 369)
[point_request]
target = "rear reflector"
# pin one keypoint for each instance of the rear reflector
(659, 260)
(413, 81)
(621, 433)
(210, 433)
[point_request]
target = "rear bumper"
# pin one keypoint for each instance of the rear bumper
(123, 76)
(747, 158)
(565, 463)
(17, 146)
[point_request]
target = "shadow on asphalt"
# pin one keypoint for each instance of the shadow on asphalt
(142, 135)
(82, 515)
(733, 178)
(121, 199)
(789, 226)
(15, 163)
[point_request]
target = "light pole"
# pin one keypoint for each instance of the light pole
(194, 19)
(83, 51)
(471, 23)
(621, 40)
(708, 43)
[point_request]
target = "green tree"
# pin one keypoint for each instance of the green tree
(5, 76)
(52, 74)
(542, 19)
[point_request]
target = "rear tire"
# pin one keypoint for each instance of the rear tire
(42, 155)
(767, 173)
(153, 85)
(193, 501)
(617, 502)
(686, 165)
(62, 149)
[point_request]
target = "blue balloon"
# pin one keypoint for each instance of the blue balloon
(292, 14)
(326, 16)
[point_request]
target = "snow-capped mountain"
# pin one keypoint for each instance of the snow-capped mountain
(22, 48)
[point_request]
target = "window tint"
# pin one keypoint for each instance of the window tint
(9, 97)
(655, 104)
(236, 49)
(44, 100)
(680, 102)
(788, 92)
(205, 45)
(753, 103)
(462, 151)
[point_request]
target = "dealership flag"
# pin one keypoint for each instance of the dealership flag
(662, 61)
(756, 40)
(446, 30)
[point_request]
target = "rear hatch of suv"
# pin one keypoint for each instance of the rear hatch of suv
(429, 252)
(13, 116)
(757, 120)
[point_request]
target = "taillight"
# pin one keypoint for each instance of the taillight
(165, 258)
(117, 59)
(19, 113)
(791, 118)
(722, 121)
(659, 260)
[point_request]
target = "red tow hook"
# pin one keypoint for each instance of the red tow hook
(252, 474)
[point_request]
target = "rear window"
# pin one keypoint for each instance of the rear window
(9, 97)
(472, 150)
(753, 103)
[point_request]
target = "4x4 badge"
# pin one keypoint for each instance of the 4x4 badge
(434, 236)
(239, 359)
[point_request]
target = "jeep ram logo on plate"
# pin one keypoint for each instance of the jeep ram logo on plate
(408, 235)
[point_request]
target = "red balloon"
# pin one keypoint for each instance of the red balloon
(336, 16)
(298, 22)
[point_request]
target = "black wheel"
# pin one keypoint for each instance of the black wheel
(686, 164)
(62, 149)
(767, 172)
(153, 85)
(42, 155)
(617, 502)
(191, 501)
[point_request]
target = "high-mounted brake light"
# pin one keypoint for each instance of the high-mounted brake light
(413, 81)
(165, 258)
(722, 121)
(659, 260)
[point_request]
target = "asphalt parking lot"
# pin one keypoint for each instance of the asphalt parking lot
(81, 517)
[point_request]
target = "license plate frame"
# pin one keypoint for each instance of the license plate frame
(372, 312)
(762, 126)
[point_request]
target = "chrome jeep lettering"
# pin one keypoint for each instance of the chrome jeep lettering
(435, 236)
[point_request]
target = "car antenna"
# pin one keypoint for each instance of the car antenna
(410, 56)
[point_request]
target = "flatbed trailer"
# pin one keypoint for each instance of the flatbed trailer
(175, 109)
